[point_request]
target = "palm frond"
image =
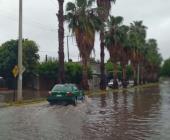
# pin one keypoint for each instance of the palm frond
(70, 6)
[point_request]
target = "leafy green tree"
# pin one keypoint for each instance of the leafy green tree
(110, 69)
(165, 71)
(49, 70)
(30, 57)
(74, 72)
(154, 60)
(8, 59)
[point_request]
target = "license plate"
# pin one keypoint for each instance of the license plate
(59, 95)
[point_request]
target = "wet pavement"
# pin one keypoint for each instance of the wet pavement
(136, 114)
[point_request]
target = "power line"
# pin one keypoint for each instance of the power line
(53, 3)
(39, 25)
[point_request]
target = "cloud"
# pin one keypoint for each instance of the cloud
(40, 23)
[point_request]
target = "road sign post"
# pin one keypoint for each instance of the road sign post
(15, 72)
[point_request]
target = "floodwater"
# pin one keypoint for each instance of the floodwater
(136, 114)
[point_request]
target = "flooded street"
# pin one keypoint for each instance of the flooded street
(135, 114)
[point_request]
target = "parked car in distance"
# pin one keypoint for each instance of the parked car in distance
(130, 82)
(65, 92)
(110, 84)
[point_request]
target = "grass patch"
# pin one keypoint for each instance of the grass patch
(26, 102)
(88, 93)
(104, 92)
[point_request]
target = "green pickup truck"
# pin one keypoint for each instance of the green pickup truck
(65, 92)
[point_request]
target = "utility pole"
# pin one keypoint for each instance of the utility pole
(19, 86)
(68, 50)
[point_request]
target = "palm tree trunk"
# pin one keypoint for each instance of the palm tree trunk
(85, 74)
(135, 74)
(102, 65)
(142, 74)
(115, 76)
(61, 41)
(124, 83)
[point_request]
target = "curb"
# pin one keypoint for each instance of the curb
(103, 92)
(88, 93)
(27, 102)
(3, 105)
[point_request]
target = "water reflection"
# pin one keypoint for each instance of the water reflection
(27, 95)
(146, 102)
(103, 100)
(133, 114)
(125, 115)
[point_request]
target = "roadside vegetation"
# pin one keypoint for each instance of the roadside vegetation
(73, 71)
(132, 55)
(8, 60)
(165, 71)
(126, 44)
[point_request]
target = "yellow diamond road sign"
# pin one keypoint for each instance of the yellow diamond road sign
(15, 71)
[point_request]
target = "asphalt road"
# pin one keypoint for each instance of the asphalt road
(141, 114)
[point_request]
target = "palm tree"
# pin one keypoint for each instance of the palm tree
(83, 22)
(154, 60)
(124, 58)
(137, 37)
(104, 9)
(113, 44)
(143, 62)
(61, 41)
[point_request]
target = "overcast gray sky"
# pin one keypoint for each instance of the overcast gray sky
(40, 23)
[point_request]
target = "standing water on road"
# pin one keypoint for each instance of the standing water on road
(135, 114)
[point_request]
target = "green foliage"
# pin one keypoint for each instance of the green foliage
(81, 16)
(137, 35)
(110, 67)
(73, 71)
(104, 7)
(8, 58)
(152, 54)
(165, 71)
(129, 72)
(113, 35)
(49, 69)
(83, 21)
(30, 56)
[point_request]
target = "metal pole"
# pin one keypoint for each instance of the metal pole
(19, 86)
(68, 49)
